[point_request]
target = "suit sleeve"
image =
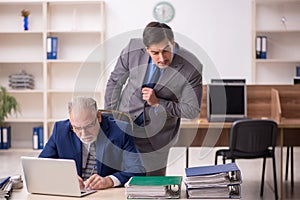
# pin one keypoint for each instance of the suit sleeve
(117, 79)
(50, 149)
(188, 106)
(132, 164)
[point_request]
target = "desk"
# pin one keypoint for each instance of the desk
(197, 133)
(108, 194)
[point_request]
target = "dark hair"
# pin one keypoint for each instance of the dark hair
(156, 32)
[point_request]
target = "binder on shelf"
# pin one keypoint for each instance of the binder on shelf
(264, 47)
(52, 43)
(215, 181)
(38, 138)
(140, 187)
(5, 137)
(1, 138)
(258, 47)
(297, 71)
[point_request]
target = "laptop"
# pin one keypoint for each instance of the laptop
(52, 177)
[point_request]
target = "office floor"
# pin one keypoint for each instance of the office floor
(251, 169)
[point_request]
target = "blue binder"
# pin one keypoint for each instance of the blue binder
(264, 47)
(211, 169)
(1, 146)
(38, 138)
(5, 137)
(35, 138)
(41, 138)
(52, 43)
(298, 71)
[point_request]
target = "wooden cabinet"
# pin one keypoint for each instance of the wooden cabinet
(278, 20)
(80, 28)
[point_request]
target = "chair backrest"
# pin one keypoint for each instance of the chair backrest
(251, 138)
(118, 115)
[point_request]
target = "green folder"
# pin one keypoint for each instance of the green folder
(154, 187)
(155, 180)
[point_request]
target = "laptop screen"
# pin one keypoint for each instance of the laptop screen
(226, 100)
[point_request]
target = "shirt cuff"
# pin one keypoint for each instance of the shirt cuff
(115, 180)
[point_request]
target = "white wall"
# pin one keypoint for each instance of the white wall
(222, 28)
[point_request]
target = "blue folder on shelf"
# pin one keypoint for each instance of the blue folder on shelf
(52, 43)
(5, 137)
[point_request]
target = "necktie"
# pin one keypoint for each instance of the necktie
(154, 78)
(91, 165)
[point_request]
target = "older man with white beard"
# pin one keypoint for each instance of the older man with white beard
(102, 147)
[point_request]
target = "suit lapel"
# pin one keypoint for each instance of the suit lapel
(168, 74)
(142, 67)
(101, 144)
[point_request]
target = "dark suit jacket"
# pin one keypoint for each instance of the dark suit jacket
(116, 153)
(179, 91)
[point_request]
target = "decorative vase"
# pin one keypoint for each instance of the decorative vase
(25, 20)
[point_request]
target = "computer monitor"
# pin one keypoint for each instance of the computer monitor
(226, 101)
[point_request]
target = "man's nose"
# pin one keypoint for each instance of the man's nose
(83, 132)
(161, 57)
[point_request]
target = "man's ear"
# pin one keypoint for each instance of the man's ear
(99, 116)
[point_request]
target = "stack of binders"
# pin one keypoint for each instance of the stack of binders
(215, 181)
(21, 80)
(153, 187)
(261, 47)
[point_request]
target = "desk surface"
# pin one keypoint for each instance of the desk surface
(203, 123)
(108, 194)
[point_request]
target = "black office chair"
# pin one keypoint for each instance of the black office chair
(118, 115)
(292, 165)
(250, 139)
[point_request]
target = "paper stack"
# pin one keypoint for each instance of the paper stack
(215, 181)
(162, 187)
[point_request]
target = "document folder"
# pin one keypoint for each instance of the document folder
(153, 187)
(258, 47)
(52, 47)
(263, 47)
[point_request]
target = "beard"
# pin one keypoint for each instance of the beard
(88, 139)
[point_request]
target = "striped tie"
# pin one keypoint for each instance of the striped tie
(91, 165)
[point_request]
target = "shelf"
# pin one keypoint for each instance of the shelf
(21, 32)
(277, 31)
(25, 91)
(80, 27)
(278, 20)
(23, 61)
(98, 32)
(24, 120)
(21, 150)
(276, 61)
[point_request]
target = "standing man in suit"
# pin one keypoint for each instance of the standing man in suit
(162, 84)
(105, 155)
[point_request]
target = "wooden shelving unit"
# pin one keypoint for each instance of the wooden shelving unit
(279, 21)
(80, 28)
